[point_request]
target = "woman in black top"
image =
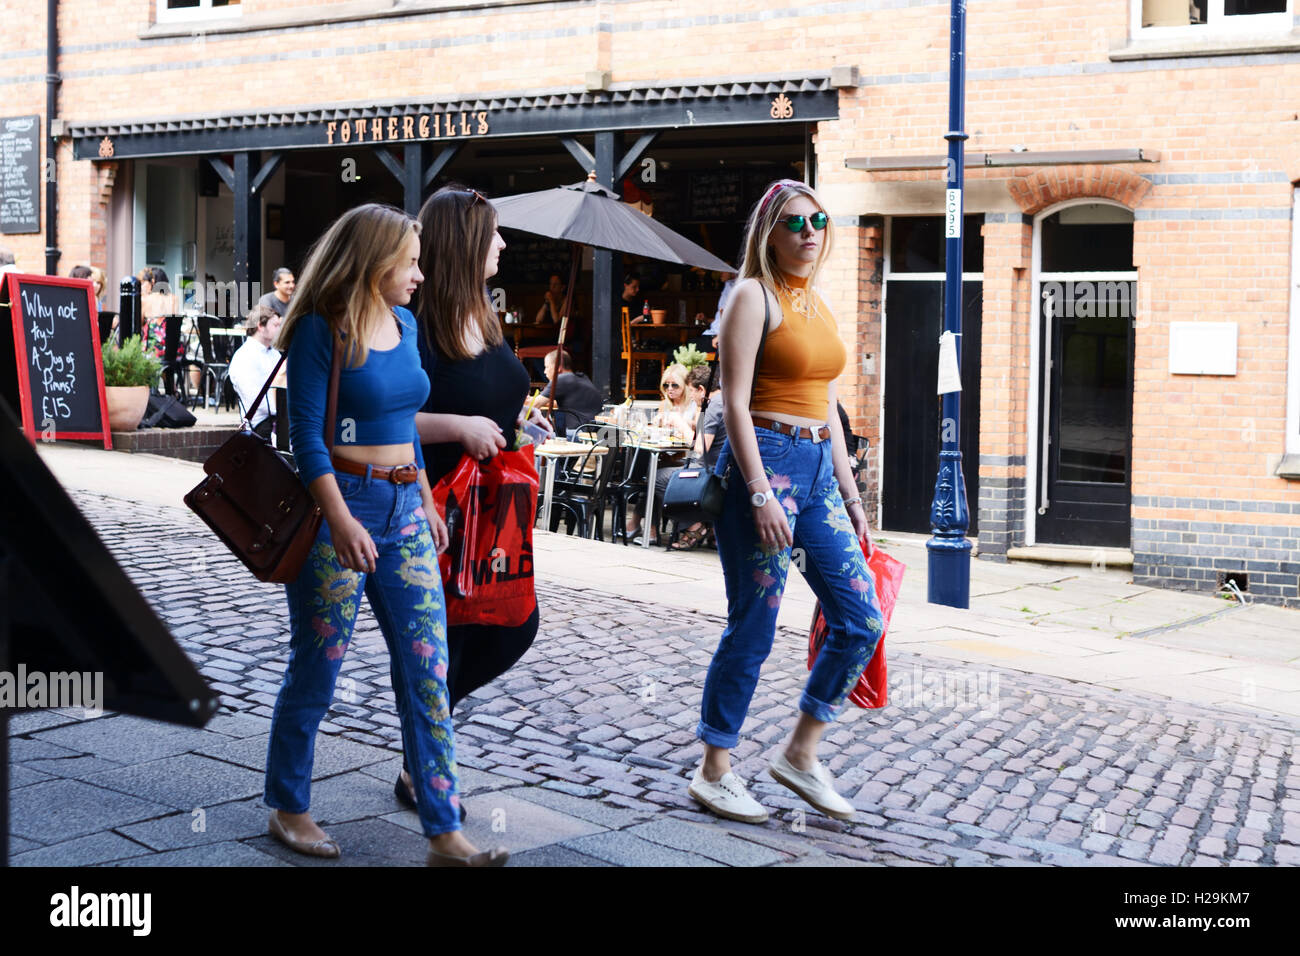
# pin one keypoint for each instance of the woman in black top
(477, 394)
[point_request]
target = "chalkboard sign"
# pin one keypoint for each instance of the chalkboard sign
(533, 259)
(20, 155)
(54, 364)
(717, 196)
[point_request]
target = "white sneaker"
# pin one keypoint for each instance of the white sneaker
(726, 797)
(815, 786)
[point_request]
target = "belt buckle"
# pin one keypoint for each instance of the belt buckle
(402, 474)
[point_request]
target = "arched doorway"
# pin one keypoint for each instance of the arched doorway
(1082, 389)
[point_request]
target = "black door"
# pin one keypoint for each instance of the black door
(914, 320)
(1086, 397)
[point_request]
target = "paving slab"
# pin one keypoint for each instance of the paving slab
(216, 854)
(333, 754)
(593, 811)
(707, 840)
(61, 810)
(82, 851)
(625, 849)
(183, 782)
(238, 820)
(554, 856)
(501, 819)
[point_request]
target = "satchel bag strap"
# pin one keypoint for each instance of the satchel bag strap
(331, 401)
(699, 423)
(257, 402)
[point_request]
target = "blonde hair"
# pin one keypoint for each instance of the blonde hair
(345, 272)
(760, 261)
(458, 228)
(677, 373)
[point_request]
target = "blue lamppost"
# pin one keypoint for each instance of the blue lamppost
(949, 550)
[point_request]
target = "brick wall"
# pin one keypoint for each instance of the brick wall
(1211, 236)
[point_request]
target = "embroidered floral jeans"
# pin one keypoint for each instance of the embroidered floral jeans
(405, 594)
(826, 549)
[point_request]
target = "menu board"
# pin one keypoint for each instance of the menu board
(717, 196)
(20, 156)
(533, 259)
(54, 363)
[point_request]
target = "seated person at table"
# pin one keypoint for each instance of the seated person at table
(681, 415)
(156, 301)
(577, 400)
(552, 303)
(678, 409)
(708, 443)
(251, 365)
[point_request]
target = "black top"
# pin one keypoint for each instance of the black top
(493, 384)
(576, 395)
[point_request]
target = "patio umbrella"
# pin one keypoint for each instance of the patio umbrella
(588, 214)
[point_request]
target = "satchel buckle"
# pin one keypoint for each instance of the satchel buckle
(210, 487)
(285, 506)
(262, 539)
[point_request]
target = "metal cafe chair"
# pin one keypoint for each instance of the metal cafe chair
(626, 472)
(217, 352)
(579, 494)
(175, 379)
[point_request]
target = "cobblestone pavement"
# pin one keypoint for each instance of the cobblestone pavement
(581, 754)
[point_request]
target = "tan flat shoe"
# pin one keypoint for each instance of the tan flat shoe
(326, 848)
(497, 856)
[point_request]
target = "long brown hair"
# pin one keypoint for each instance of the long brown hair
(345, 271)
(760, 261)
(457, 226)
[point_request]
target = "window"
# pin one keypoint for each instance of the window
(171, 10)
(1210, 18)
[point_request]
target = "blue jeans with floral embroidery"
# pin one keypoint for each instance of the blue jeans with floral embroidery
(826, 549)
(405, 593)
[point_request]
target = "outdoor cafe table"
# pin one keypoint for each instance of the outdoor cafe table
(548, 454)
(671, 446)
(682, 332)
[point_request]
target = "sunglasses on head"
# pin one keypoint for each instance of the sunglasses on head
(796, 223)
(478, 196)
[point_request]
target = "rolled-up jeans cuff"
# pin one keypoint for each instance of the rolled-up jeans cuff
(716, 738)
(817, 709)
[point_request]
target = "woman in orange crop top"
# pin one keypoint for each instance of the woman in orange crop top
(789, 485)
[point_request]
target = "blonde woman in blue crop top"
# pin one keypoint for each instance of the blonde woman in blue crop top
(381, 533)
(789, 485)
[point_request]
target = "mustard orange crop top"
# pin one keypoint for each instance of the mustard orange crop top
(803, 355)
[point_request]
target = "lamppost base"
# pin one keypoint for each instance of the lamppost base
(949, 571)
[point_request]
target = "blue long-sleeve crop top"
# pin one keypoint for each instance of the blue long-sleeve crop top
(377, 400)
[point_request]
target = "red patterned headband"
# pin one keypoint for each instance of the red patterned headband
(772, 191)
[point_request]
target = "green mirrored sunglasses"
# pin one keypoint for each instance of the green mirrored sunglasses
(796, 223)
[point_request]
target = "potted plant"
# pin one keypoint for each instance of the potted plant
(128, 375)
(688, 356)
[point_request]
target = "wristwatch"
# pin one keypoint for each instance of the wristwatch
(760, 498)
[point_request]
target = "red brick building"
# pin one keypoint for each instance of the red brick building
(1132, 346)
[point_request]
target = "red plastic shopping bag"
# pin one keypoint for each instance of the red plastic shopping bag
(872, 689)
(489, 507)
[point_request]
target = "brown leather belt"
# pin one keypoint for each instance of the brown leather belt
(818, 434)
(399, 475)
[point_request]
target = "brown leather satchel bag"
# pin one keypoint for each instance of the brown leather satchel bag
(255, 503)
